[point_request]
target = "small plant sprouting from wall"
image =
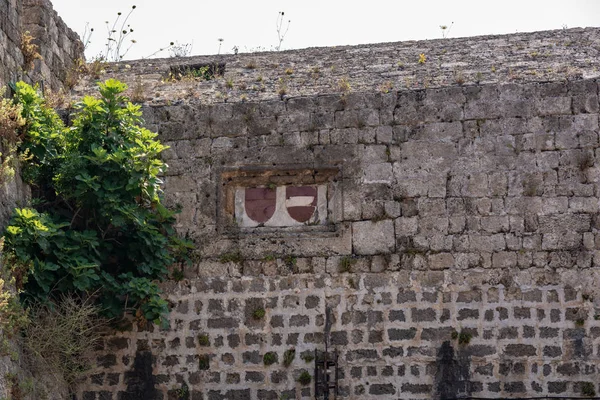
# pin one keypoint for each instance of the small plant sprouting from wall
(180, 49)
(304, 378)
(344, 85)
(463, 337)
(235, 257)
(422, 58)
(386, 87)
(580, 322)
(19, 389)
(446, 30)
(269, 258)
(345, 264)
(118, 33)
(308, 356)
(203, 340)
(29, 50)
(12, 316)
(588, 389)
(282, 29)
(290, 261)
(259, 314)
(352, 284)
(177, 275)
(282, 87)
(459, 77)
(203, 362)
(183, 392)
(288, 357)
(270, 358)
(11, 121)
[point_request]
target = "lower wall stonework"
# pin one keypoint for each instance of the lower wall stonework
(530, 333)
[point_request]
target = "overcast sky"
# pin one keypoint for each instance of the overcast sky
(251, 25)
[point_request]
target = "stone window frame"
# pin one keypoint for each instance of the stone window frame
(229, 179)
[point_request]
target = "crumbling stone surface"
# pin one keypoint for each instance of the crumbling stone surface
(550, 56)
(59, 46)
(420, 354)
(459, 255)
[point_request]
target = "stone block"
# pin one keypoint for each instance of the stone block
(370, 238)
(401, 334)
(379, 389)
(423, 315)
(520, 350)
(441, 261)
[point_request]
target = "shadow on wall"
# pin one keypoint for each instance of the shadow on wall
(140, 381)
(452, 373)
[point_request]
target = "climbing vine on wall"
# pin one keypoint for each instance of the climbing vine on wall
(97, 228)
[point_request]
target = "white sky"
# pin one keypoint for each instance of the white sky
(252, 24)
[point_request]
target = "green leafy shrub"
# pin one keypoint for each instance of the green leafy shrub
(99, 229)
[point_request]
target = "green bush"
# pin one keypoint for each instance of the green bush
(98, 228)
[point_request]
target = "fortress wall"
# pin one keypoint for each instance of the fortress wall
(58, 45)
(60, 48)
(11, 58)
(459, 254)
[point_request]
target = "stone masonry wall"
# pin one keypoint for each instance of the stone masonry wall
(58, 45)
(548, 56)
(11, 58)
(460, 254)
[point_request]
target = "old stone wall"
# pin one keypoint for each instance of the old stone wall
(58, 45)
(11, 59)
(547, 56)
(60, 48)
(459, 255)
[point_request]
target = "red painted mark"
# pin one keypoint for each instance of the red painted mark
(260, 204)
(301, 213)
